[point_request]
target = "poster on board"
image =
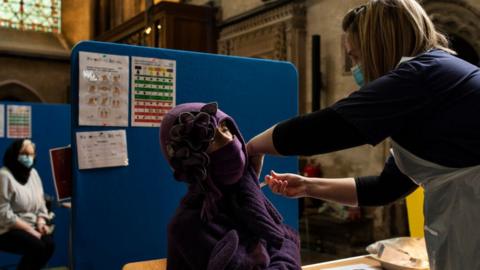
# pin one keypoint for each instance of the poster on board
(103, 90)
(153, 90)
(19, 121)
(100, 149)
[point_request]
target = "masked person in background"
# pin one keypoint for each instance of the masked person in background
(23, 213)
(413, 90)
(224, 221)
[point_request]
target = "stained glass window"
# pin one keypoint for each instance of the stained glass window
(36, 15)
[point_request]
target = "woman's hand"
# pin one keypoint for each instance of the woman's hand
(42, 226)
(287, 184)
(23, 225)
(43, 229)
(35, 233)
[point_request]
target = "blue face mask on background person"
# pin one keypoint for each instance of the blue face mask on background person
(26, 160)
(358, 75)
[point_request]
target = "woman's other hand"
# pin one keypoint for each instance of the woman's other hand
(287, 184)
(42, 226)
(43, 229)
(35, 233)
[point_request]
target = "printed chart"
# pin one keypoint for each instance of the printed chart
(153, 90)
(19, 121)
(103, 90)
(100, 149)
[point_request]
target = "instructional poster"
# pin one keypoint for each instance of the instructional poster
(153, 90)
(99, 149)
(103, 90)
(19, 121)
(2, 120)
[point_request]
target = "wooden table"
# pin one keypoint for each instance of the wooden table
(161, 264)
(343, 262)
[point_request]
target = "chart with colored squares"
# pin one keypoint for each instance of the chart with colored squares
(153, 90)
(19, 121)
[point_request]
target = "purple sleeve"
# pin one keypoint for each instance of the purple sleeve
(191, 241)
(193, 245)
(288, 256)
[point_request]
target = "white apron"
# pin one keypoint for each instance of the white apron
(451, 210)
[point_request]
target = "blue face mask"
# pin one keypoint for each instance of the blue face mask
(358, 75)
(26, 160)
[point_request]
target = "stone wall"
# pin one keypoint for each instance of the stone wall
(230, 8)
(337, 83)
(77, 20)
(39, 71)
(48, 78)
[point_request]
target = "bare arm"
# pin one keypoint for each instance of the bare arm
(262, 144)
(340, 190)
(319, 132)
(258, 146)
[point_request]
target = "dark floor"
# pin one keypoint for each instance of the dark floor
(312, 257)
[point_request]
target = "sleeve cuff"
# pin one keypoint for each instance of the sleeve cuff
(11, 221)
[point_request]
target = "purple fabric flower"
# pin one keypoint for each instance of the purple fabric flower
(189, 139)
(185, 136)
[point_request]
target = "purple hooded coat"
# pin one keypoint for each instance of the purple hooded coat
(220, 223)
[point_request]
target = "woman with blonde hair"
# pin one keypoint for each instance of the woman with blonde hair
(23, 212)
(416, 92)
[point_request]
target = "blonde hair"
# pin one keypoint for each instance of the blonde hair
(26, 143)
(386, 30)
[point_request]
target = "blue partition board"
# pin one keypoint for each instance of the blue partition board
(50, 129)
(121, 214)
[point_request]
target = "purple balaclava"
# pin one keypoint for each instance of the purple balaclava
(185, 134)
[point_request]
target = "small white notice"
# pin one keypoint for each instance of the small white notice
(99, 149)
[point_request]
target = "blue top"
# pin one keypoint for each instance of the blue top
(430, 105)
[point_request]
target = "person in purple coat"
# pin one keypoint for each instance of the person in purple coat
(224, 221)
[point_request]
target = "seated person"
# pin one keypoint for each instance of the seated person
(23, 213)
(224, 221)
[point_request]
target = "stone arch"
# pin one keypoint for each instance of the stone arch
(457, 18)
(13, 90)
